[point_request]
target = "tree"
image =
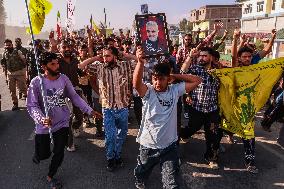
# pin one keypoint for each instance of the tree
(2, 23)
(185, 25)
(259, 45)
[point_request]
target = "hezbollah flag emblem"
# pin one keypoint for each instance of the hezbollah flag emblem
(38, 10)
(244, 91)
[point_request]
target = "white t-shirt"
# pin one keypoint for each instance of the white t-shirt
(159, 117)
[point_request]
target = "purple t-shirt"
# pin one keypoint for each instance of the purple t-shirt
(55, 91)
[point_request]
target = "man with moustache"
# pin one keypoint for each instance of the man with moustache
(115, 87)
(68, 65)
(204, 109)
(14, 64)
(57, 87)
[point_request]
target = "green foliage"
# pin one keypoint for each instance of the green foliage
(185, 25)
(259, 45)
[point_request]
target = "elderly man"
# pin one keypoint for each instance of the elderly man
(152, 44)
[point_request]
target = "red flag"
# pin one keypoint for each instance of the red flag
(58, 26)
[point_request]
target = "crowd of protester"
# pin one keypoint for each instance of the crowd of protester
(102, 76)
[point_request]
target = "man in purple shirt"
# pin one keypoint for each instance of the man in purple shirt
(57, 87)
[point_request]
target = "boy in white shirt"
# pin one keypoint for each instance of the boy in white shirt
(158, 132)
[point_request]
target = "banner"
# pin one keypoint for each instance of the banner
(70, 23)
(244, 91)
(38, 9)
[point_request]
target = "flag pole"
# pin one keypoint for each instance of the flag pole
(37, 66)
(91, 20)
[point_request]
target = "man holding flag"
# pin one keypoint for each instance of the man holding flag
(243, 92)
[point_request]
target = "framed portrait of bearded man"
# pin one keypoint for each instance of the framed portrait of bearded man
(153, 34)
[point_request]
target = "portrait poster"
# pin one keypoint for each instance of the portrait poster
(153, 34)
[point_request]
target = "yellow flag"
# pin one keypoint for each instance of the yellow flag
(38, 9)
(244, 91)
(96, 28)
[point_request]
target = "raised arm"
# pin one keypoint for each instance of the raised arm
(83, 64)
(217, 45)
(53, 42)
(267, 49)
(191, 81)
(243, 40)
(193, 53)
(138, 84)
(90, 42)
(236, 37)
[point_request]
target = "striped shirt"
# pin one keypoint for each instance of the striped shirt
(115, 84)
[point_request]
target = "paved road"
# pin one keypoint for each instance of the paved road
(85, 168)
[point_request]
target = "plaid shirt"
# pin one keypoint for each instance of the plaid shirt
(205, 96)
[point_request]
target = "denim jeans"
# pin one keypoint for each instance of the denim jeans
(169, 163)
(115, 122)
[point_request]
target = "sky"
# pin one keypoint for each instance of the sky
(120, 13)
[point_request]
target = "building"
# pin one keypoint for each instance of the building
(205, 17)
(259, 17)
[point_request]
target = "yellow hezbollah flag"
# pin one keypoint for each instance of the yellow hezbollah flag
(96, 28)
(244, 91)
(38, 9)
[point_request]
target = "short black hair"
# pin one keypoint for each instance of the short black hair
(83, 46)
(47, 57)
(216, 54)
(207, 49)
(8, 41)
(244, 49)
(18, 39)
(162, 69)
(113, 50)
(108, 40)
(188, 34)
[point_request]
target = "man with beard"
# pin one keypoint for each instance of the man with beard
(57, 87)
(204, 109)
(114, 78)
(152, 44)
(14, 64)
(18, 46)
(68, 65)
(243, 57)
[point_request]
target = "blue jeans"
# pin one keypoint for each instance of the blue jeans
(116, 127)
(168, 160)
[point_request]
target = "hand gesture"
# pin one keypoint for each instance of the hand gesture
(225, 33)
(46, 122)
(53, 42)
(244, 37)
(217, 26)
(194, 52)
(188, 100)
(140, 54)
(237, 33)
(273, 32)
